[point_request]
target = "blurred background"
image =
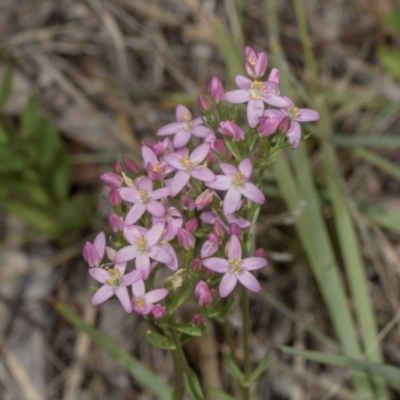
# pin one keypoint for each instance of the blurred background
(83, 83)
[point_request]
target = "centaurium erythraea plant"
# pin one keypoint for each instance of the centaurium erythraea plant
(187, 208)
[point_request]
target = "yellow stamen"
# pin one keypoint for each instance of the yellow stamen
(140, 302)
(236, 265)
(186, 117)
(141, 245)
(257, 89)
(294, 112)
(115, 278)
(238, 180)
(157, 167)
(144, 196)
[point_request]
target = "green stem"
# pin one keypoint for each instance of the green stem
(179, 381)
(246, 344)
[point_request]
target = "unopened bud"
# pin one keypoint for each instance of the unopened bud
(191, 225)
(228, 128)
(187, 203)
(111, 180)
(131, 166)
(114, 197)
(219, 146)
(215, 89)
(116, 222)
(198, 319)
(196, 264)
(186, 239)
(204, 105)
(268, 126)
(260, 253)
(203, 200)
(159, 311)
(284, 125)
(117, 168)
(218, 228)
(274, 76)
(235, 230)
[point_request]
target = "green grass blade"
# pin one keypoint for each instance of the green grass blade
(365, 141)
(143, 375)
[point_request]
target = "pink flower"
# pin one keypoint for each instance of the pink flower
(159, 311)
(255, 93)
(156, 169)
(234, 268)
(228, 128)
(114, 197)
(116, 223)
(114, 283)
(215, 89)
(235, 182)
(203, 199)
(186, 239)
(142, 302)
(210, 246)
(184, 128)
(144, 198)
(269, 122)
(188, 166)
(202, 291)
(131, 166)
(94, 253)
(256, 63)
(143, 247)
(198, 319)
(111, 180)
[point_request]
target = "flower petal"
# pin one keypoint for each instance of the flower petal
(237, 96)
(102, 294)
(228, 169)
(246, 167)
(275, 100)
(100, 274)
(243, 82)
(125, 254)
(123, 297)
(217, 264)
(183, 114)
(161, 255)
(132, 234)
(138, 288)
(181, 139)
(227, 284)
(130, 195)
(234, 248)
(200, 153)
(232, 200)
(155, 208)
(306, 114)
(222, 182)
(294, 134)
(179, 181)
(253, 193)
(132, 277)
(174, 159)
(201, 131)
(149, 156)
(249, 281)
(143, 265)
(170, 250)
(252, 263)
(170, 129)
(156, 295)
(146, 184)
(203, 174)
(100, 244)
(135, 213)
(154, 234)
(255, 108)
(159, 193)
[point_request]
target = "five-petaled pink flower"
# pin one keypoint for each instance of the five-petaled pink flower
(114, 283)
(184, 128)
(142, 302)
(144, 198)
(234, 268)
(143, 247)
(235, 182)
(188, 166)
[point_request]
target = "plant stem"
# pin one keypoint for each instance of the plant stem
(179, 382)
(246, 344)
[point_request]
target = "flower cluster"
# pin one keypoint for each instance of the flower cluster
(189, 206)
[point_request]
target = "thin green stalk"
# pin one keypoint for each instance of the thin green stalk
(179, 391)
(246, 344)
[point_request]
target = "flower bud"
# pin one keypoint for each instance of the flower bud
(259, 253)
(131, 166)
(196, 264)
(218, 228)
(274, 76)
(204, 105)
(90, 255)
(187, 203)
(235, 230)
(117, 168)
(268, 126)
(203, 200)
(191, 225)
(159, 311)
(186, 239)
(198, 319)
(116, 222)
(111, 180)
(114, 197)
(284, 125)
(228, 128)
(215, 89)
(256, 63)
(219, 146)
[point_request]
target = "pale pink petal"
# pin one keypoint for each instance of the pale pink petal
(125, 254)
(227, 284)
(181, 139)
(243, 82)
(135, 213)
(161, 255)
(179, 181)
(203, 174)
(201, 131)
(170, 129)
(253, 193)
(154, 234)
(102, 294)
(217, 264)
(183, 114)
(232, 200)
(246, 167)
(174, 159)
(159, 193)
(139, 288)
(234, 248)
(132, 277)
(228, 169)
(142, 310)
(275, 100)
(200, 153)
(278, 114)
(100, 274)
(252, 263)
(132, 234)
(249, 281)
(197, 121)
(155, 208)
(208, 249)
(294, 134)
(100, 244)
(156, 295)
(237, 96)
(120, 267)
(123, 297)
(255, 108)
(261, 64)
(168, 248)
(208, 217)
(149, 156)
(306, 114)
(240, 222)
(145, 183)
(143, 265)
(221, 183)
(130, 195)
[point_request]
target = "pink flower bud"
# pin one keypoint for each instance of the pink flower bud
(268, 126)
(131, 166)
(117, 168)
(187, 203)
(198, 319)
(116, 222)
(191, 225)
(111, 180)
(256, 63)
(228, 128)
(186, 239)
(274, 76)
(196, 264)
(204, 105)
(159, 311)
(211, 159)
(200, 288)
(235, 230)
(259, 253)
(214, 293)
(218, 228)
(90, 255)
(215, 89)
(284, 125)
(203, 200)
(219, 146)
(114, 197)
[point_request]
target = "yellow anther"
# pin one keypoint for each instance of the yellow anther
(294, 112)
(236, 265)
(157, 167)
(186, 117)
(115, 277)
(257, 89)
(185, 160)
(238, 180)
(141, 245)
(140, 302)
(144, 196)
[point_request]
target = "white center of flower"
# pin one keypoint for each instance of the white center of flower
(115, 278)
(235, 265)
(187, 125)
(293, 112)
(140, 302)
(257, 89)
(189, 165)
(141, 245)
(144, 196)
(238, 180)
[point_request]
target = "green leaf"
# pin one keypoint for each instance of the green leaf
(226, 310)
(160, 341)
(133, 366)
(6, 85)
(218, 394)
(392, 19)
(230, 143)
(49, 145)
(233, 369)
(191, 329)
(60, 179)
(197, 391)
(261, 367)
(30, 118)
(390, 59)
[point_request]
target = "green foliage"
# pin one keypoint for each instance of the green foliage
(35, 171)
(390, 59)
